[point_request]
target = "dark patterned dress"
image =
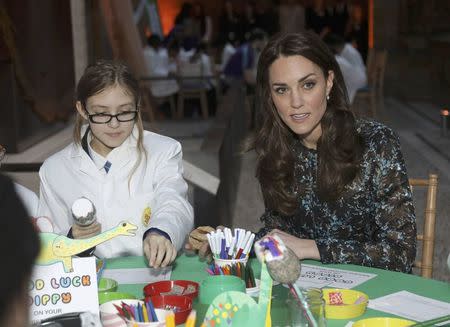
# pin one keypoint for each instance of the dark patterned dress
(373, 223)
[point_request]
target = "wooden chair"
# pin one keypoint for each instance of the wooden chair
(425, 264)
(376, 65)
(149, 100)
(192, 88)
(172, 105)
(147, 106)
(370, 61)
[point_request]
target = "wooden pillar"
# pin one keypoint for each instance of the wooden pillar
(79, 37)
(370, 14)
(125, 42)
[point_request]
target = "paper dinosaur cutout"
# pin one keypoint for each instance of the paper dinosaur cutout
(59, 248)
(239, 309)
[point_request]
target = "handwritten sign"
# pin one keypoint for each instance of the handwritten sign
(313, 276)
(53, 292)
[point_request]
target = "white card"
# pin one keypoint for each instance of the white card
(138, 275)
(411, 306)
(54, 292)
(313, 276)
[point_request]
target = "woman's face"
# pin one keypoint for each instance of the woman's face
(299, 90)
(113, 100)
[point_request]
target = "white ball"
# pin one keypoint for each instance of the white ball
(83, 211)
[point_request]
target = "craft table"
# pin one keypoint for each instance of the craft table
(386, 282)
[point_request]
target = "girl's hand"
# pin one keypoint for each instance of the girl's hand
(303, 248)
(159, 251)
(86, 231)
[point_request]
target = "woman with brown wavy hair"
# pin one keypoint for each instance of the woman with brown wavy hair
(335, 188)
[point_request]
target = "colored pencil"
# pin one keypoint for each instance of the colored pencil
(119, 310)
(152, 310)
(144, 313)
(149, 312)
(190, 321)
(170, 319)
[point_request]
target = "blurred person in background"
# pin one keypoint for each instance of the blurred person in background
(318, 18)
(339, 19)
(158, 64)
(230, 24)
(249, 22)
(242, 64)
(205, 27)
(292, 16)
(357, 30)
(350, 62)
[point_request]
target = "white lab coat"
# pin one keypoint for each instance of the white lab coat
(157, 183)
(29, 199)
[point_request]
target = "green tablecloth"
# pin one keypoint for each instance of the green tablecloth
(386, 282)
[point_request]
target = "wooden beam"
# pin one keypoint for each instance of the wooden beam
(200, 178)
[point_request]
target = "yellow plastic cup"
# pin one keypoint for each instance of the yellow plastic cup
(383, 322)
(347, 310)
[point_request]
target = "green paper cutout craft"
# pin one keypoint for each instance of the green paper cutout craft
(238, 309)
(60, 248)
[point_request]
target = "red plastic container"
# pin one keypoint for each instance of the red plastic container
(180, 305)
(166, 286)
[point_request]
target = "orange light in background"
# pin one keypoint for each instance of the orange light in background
(147, 32)
(370, 5)
(445, 112)
(168, 10)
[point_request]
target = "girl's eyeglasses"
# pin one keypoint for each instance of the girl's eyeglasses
(106, 118)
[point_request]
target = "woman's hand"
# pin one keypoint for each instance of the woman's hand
(198, 241)
(204, 251)
(303, 248)
(159, 251)
(86, 231)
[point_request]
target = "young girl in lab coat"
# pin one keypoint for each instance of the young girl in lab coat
(128, 173)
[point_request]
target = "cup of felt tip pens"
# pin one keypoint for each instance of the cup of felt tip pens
(230, 247)
(230, 253)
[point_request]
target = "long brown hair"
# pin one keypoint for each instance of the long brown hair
(339, 148)
(100, 76)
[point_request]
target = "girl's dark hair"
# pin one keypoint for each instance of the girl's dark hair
(97, 78)
(339, 148)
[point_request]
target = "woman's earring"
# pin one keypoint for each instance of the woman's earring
(328, 97)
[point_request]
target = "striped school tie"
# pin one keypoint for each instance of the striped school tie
(107, 166)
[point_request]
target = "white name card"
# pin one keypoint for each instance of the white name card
(54, 292)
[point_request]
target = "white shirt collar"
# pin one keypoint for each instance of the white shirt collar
(117, 155)
(98, 159)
